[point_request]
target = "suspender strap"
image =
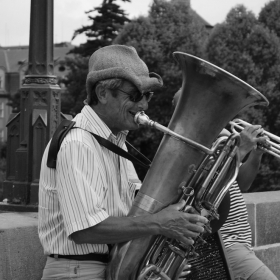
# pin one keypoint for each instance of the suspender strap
(64, 128)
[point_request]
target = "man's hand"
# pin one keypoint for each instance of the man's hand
(251, 136)
(179, 225)
(186, 271)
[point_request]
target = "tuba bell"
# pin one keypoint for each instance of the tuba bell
(210, 98)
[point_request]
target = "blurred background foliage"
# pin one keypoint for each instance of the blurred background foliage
(246, 45)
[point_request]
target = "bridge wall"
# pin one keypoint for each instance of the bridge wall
(22, 256)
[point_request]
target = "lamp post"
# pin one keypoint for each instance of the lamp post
(30, 130)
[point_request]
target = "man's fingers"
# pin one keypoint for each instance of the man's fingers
(263, 139)
(193, 233)
(179, 205)
(184, 273)
(186, 240)
(187, 267)
(259, 132)
(253, 130)
(190, 209)
(194, 218)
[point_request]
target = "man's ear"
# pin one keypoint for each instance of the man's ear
(101, 94)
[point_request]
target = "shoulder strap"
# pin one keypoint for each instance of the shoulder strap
(145, 159)
(64, 128)
(117, 150)
(57, 139)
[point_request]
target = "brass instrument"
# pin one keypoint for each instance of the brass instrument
(272, 146)
(210, 98)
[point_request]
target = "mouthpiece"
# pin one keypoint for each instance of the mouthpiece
(142, 119)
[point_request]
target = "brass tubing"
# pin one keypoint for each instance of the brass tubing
(142, 119)
(273, 149)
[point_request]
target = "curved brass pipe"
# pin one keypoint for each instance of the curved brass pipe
(272, 148)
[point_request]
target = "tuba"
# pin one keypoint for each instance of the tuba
(186, 159)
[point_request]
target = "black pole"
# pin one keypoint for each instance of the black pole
(30, 130)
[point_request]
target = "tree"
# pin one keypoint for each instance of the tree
(227, 44)
(104, 27)
(247, 49)
(269, 16)
(170, 26)
(75, 81)
(14, 102)
(264, 49)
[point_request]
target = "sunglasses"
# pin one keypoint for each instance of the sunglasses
(137, 96)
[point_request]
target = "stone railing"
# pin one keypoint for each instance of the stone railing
(22, 256)
(264, 218)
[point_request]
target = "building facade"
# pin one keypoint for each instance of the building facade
(13, 66)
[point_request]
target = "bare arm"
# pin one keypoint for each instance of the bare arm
(115, 230)
(249, 170)
(168, 222)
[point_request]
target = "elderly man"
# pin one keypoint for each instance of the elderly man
(83, 203)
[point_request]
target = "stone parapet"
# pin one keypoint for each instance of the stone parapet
(21, 256)
(270, 255)
(264, 218)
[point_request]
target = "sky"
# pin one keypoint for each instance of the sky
(70, 15)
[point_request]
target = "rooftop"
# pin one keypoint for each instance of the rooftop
(13, 58)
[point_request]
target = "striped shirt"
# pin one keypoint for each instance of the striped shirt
(236, 229)
(89, 184)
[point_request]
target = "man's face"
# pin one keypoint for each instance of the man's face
(121, 110)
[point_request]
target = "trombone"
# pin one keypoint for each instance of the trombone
(272, 146)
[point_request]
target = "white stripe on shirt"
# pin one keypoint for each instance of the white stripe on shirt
(236, 228)
(90, 184)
